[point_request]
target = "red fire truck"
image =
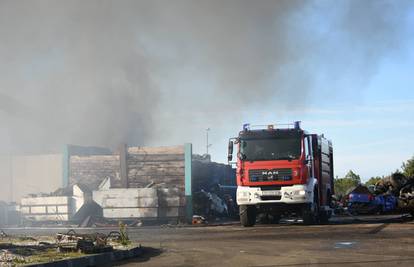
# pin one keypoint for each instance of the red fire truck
(283, 170)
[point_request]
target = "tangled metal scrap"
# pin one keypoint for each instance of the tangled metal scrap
(401, 187)
(86, 243)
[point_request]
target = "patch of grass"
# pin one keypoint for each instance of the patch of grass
(51, 255)
(124, 239)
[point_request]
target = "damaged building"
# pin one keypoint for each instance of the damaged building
(145, 183)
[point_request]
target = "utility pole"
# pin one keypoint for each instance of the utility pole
(207, 143)
(11, 178)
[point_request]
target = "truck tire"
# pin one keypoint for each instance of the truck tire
(247, 215)
(325, 215)
(308, 217)
(310, 213)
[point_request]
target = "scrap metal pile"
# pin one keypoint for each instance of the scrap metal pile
(217, 202)
(399, 186)
(392, 194)
(88, 243)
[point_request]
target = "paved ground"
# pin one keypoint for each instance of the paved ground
(370, 241)
(380, 243)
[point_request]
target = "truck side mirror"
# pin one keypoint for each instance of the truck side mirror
(230, 151)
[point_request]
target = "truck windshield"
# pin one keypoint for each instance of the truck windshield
(270, 149)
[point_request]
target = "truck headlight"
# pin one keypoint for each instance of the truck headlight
(300, 192)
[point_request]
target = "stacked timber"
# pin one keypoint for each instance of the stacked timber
(92, 170)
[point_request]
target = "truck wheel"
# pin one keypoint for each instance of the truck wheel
(308, 216)
(325, 215)
(311, 212)
(247, 215)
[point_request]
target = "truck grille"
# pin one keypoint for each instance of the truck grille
(270, 175)
(271, 198)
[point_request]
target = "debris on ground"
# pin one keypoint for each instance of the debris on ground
(2, 234)
(85, 243)
(101, 222)
(197, 219)
(20, 250)
(6, 256)
(23, 250)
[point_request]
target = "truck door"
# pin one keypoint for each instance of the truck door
(309, 156)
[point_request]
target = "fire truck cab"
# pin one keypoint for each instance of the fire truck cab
(282, 171)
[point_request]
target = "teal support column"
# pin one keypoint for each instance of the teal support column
(123, 154)
(188, 156)
(65, 166)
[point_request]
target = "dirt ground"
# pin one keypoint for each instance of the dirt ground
(377, 243)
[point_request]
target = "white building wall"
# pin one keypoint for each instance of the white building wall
(47, 208)
(128, 202)
(23, 175)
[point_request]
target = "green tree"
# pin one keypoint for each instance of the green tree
(373, 180)
(342, 185)
(408, 167)
(353, 176)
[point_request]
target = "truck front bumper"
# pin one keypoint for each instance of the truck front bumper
(294, 194)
